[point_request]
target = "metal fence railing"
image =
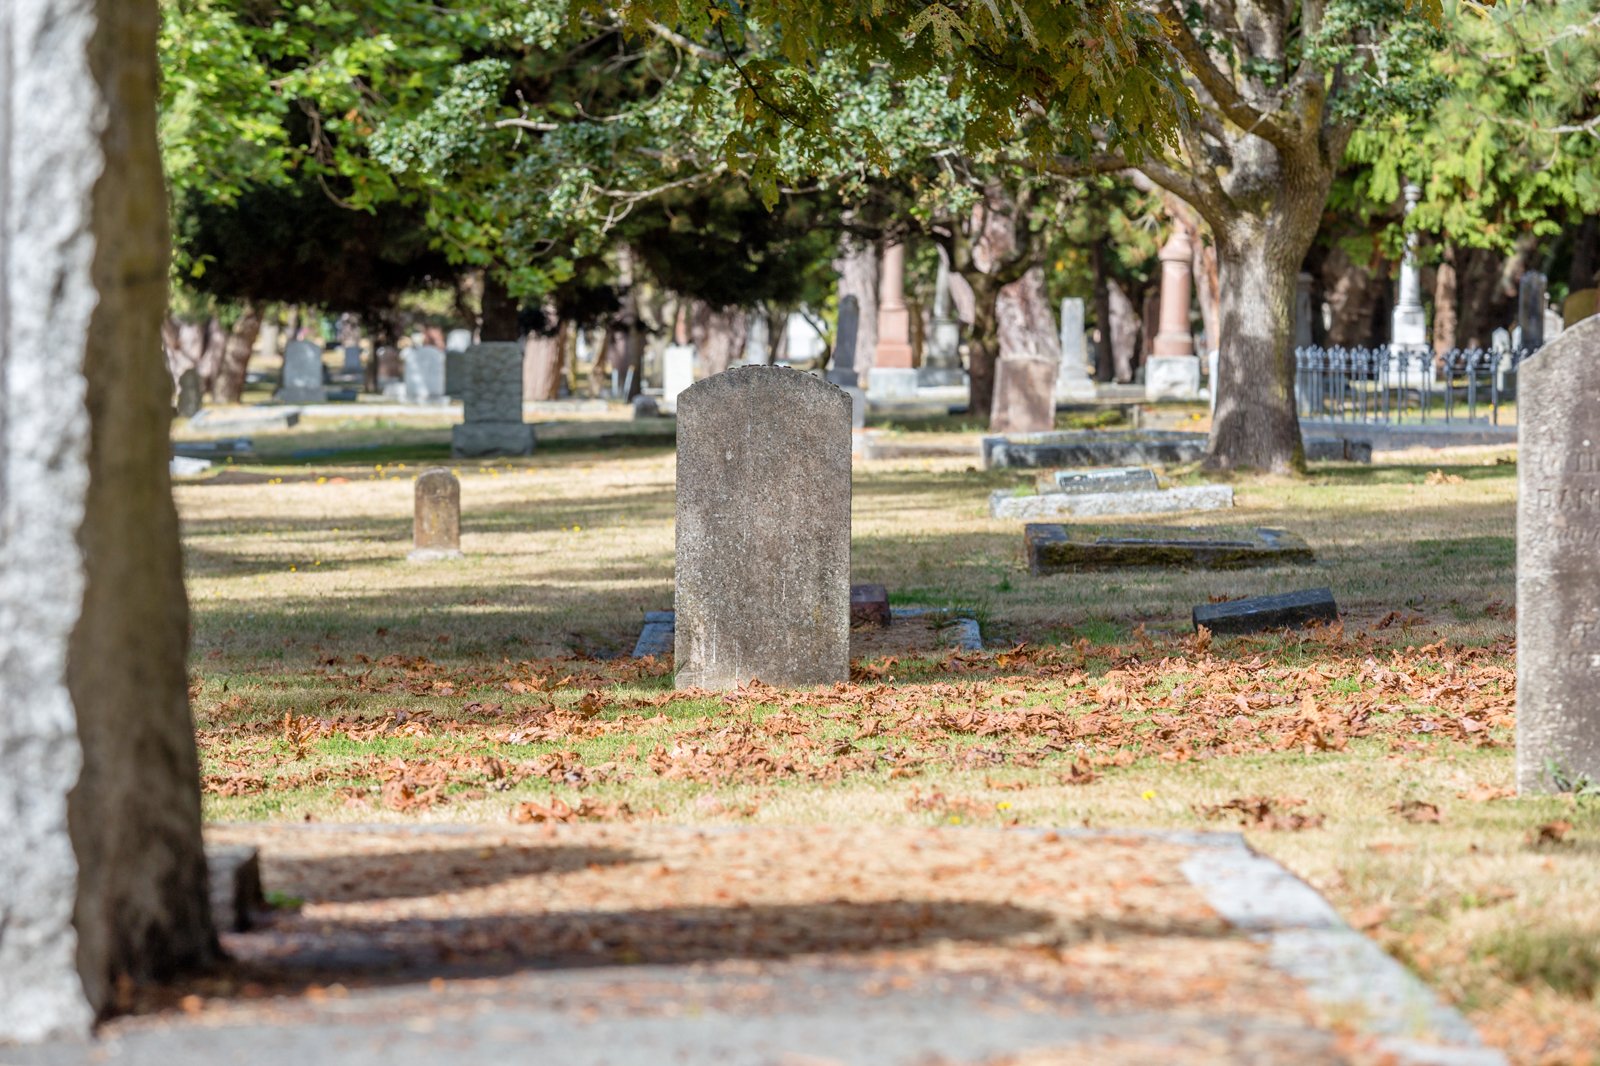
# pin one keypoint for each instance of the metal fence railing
(1380, 385)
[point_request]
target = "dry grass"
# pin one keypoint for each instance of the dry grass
(304, 606)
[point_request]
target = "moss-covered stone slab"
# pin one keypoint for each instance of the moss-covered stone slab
(1054, 548)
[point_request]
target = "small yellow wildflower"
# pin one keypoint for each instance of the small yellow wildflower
(1148, 794)
(1002, 806)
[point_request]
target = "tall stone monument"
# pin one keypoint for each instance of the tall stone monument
(302, 374)
(492, 404)
(436, 517)
(1173, 370)
(1558, 562)
(1072, 379)
(1530, 310)
(1409, 356)
(892, 375)
(763, 530)
(102, 873)
(941, 361)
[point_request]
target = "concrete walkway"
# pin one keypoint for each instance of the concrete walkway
(634, 945)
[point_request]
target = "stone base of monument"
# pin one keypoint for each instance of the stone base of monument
(432, 555)
(302, 394)
(1110, 479)
(476, 440)
(1172, 377)
(1054, 548)
(941, 377)
(909, 630)
(1003, 504)
(892, 383)
(1074, 387)
(1268, 612)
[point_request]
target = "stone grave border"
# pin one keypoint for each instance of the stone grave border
(658, 634)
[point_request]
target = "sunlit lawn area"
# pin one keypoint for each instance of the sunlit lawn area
(335, 681)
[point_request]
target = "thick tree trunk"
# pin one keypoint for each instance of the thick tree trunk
(1444, 303)
(857, 266)
(1255, 426)
(498, 320)
(983, 349)
(1105, 367)
(235, 359)
(1124, 332)
(719, 336)
(1585, 255)
(102, 869)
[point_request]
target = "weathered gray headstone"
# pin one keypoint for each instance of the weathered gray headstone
(424, 374)
(102, 872)
(492, 403)
(1003, 504)
(1110, 479)
(1072, 379)
(436, 518)
(189, 393)
(1024, 395)
(455, 372)
(302, 374)
(677, 373)
(1530, 310)
(1056, 548)
(763, 530)
(1558, 562)
(842, 367)
(1267, 612)
(352, 360)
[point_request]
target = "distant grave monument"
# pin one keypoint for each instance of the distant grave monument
(424, 374)
(677, 372)
(892, 376)
(492, 404)
(1558, 563)
(1024, 395)
(842, 367)
(1072, 378)
(302, 374)
(1258, 613)
(1172, 370)
(436, 517)
(763, 530)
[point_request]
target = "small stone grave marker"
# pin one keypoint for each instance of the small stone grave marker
(763, 530)
(1558, 563)
(436, 522)
(1268, 612)
(1054, 548)
(1024, 395)
(869, 605)
(677, 373)
(302, 374)
(424, 374)
(189, 393)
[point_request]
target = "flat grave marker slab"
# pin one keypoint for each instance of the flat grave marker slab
(1257, 613)
(1003, 504)
(1054, 548)
(1108, 479)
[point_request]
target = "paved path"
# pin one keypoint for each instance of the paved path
(645, 945)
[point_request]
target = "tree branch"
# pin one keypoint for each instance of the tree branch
(1219, 85)
(699, 51)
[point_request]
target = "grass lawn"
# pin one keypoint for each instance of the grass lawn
(334, 681)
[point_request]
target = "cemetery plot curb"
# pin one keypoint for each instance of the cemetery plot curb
(1003, 504)
(659, 633)
(1340, 968)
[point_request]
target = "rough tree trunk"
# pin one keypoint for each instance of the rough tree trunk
(235, 358)
(1123, 334)
(983, 347)
(857, 266)
(102, 871)
(1255, 426)
(719, 336)
(1444, 303)
(1105, 368)
(498, 320)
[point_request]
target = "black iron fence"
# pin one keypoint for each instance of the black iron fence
(1380, 385)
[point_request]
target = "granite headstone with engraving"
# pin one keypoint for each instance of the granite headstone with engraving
(492, 403)
(302, 374)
